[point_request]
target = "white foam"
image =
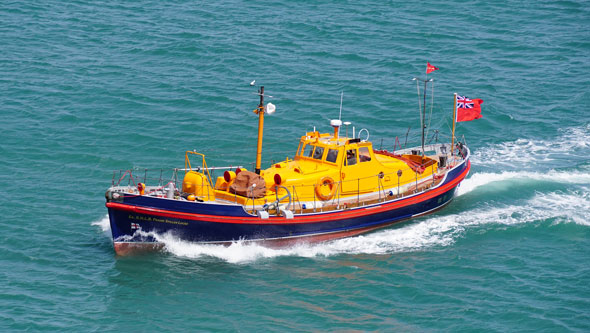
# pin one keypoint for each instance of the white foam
(565, 207)
(431, 232)
(484, 178)
(104, 224)
(524, 153)
(411, 237)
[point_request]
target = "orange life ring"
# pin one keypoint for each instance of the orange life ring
(325, 181)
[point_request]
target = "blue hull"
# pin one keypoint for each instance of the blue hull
(218, 223)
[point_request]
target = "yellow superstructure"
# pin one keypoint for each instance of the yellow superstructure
(326, 168)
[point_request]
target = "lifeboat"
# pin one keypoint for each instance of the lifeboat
(334, 186)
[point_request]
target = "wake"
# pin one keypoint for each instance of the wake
(573, 143)
(481, 179)
(438, 231)
(432, 232)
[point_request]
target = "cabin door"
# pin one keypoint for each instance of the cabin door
(357, 174)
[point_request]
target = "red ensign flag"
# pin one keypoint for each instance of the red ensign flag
(430, 68)
(468, 109)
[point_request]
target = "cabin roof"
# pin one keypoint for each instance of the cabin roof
(325, 149)
(325, 139)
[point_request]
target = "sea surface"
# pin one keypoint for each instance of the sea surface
(91, 87)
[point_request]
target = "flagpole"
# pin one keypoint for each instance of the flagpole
(424, 116)
(454, 121)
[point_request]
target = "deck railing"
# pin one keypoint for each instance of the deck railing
(301, 201)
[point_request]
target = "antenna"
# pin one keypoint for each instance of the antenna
(340, 115)
(347, 123)
(336, 123)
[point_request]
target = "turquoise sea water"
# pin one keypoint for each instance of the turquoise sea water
(87, 88)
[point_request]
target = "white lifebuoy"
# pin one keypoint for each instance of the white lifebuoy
(360, 131)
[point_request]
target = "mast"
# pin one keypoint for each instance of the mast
(260, 111)
(423, 111)
(424, 117)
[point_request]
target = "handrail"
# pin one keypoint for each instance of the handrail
(204, 163)
(386, 192)
(368, 197)
(133, 178)
(295, 194)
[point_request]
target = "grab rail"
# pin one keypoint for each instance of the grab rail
(305, 197)
(203, 164)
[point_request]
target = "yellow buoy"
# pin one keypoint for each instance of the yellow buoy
(198, 184)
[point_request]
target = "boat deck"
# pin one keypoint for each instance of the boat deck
(293, 204)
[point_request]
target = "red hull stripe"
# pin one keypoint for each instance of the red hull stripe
(339, 215)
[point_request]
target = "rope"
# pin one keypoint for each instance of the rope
(431, 107)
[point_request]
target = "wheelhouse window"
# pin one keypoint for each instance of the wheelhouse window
(318, 153)
(332, 155)
(299, 149)
(351, 157)
(364, 155)
(308, 151)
